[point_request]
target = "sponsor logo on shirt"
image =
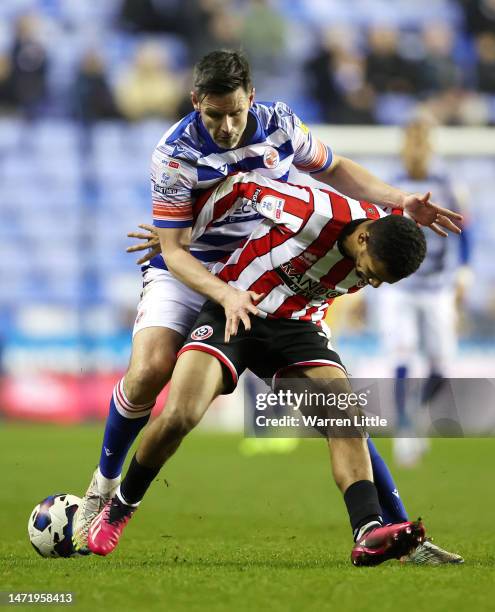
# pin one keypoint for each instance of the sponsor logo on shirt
(169, 175)
(256, 194)
(303, 285)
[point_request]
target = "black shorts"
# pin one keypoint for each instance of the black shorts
(272, 345)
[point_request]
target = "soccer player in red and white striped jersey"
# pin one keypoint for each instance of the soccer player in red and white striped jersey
(294, 257)
(312, 246)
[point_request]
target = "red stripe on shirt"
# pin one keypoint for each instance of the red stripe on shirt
(325, 240)
(266, 283)
(290, 305)
(338, 272)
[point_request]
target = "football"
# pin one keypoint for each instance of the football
(50, 525)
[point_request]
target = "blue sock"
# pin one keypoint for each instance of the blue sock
(400, 397)
(124, 422)
(393, 510)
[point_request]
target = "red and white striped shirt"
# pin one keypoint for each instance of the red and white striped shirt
(292, 256)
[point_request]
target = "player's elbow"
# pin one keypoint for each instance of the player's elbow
(172, 254)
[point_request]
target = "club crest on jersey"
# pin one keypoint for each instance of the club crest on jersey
(370, 210)
(271, 158)
(202, 333)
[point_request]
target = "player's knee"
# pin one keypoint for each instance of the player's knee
(179, 422)
(150, 376)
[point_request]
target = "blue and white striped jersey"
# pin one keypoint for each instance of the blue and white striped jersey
(187, 160)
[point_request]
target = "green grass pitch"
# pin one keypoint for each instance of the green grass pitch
(224, 532)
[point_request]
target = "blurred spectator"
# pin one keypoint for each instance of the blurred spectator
(336, 80)
(386, 70)
(202, 24)
(29, 66)
(263, 35)
(438, 70)
(357, 96)
(151, 15)
(396, 67)
(223, 30)
(458, 107)
(148, 88)
(93, 98)
(485, 66)
(473, 110)
(479, 15)
(7, 101)
(319, 73)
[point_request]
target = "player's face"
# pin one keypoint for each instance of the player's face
(225, 117)
(371, 270)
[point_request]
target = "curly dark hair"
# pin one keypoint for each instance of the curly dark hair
(398, 243)
(222, 72)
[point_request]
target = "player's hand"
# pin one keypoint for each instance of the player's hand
(424, 212)
(238, 306)
(150, 241)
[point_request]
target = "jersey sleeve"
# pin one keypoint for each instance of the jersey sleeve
(172, 181)
(310, 154)
(283, 204)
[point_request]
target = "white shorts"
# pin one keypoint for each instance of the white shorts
(166, 302)
(421, 322)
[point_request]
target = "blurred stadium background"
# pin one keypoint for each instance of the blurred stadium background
(87, 89)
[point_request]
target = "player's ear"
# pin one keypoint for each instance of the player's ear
(363, 238)
(251, 96)
(195, 101)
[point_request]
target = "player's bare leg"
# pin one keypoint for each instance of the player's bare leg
(151, 364)
(353, 474)
(198, 379)
(152, 361)
(349, 455)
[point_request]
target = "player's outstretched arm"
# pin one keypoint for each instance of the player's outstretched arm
(356, 182)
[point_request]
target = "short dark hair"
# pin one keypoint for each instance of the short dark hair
(221, 72)
(398, 243)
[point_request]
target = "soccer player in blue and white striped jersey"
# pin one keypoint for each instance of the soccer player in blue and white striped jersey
(421, 314)
(226, 132)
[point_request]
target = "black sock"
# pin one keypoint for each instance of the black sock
(137, 481)
(361, 499)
